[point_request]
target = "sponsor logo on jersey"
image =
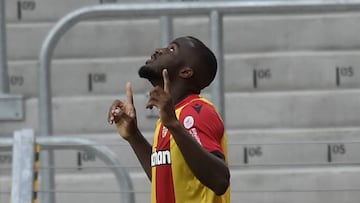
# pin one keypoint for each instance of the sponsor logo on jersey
(160, 158)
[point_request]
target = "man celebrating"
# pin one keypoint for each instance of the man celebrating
(187, 162)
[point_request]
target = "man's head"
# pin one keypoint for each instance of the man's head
(189, 62)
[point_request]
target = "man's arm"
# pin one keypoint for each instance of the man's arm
(142, 149)
(208, 168)
(124, 117)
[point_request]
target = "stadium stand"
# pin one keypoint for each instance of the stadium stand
(292, 99)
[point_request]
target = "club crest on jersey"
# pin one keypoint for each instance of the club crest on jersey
(164, 131)
(160, 158)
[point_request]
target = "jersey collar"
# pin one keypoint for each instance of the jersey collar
(186, 100)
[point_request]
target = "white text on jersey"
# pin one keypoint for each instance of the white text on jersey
(160, 158)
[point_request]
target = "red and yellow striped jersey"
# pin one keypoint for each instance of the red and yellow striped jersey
(172, 180)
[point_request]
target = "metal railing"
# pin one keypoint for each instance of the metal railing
(23, 147)
(4, 81)
(23, 166)
(215, 11)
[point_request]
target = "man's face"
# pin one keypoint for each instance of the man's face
(171, 57)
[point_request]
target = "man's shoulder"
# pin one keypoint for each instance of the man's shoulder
(198, 106)
(200, 103)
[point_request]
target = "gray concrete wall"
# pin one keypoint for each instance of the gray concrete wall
(292, 99)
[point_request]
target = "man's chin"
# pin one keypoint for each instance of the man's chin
(148, 73)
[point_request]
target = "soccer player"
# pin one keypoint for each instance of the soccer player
(187, 162)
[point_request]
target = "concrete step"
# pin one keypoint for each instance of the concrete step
(296, 185)
(311, 109)
(243, 73)
(270, 185)
(88, 188)
(87, 40)
(141, 186)
(79, 77)
(296, 147)
(247, 186)
(42, 10)
(247, 34)
(270, 148)
(248, 149)
(49, 10)
(287, 71)
(308, 109)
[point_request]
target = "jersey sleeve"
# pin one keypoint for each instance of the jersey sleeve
(204, 124)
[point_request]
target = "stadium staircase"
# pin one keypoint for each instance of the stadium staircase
(292, 99)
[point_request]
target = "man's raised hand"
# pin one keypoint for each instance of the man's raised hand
(166, 81)
(160, 97)
(124, 114)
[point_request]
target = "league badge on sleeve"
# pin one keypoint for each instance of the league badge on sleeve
(188, 122)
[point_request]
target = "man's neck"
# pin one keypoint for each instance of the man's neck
(178, 93)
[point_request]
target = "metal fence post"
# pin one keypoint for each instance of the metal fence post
(11, 106)
(4, 80)
(23, 166)
(166, 28)
(217, 87)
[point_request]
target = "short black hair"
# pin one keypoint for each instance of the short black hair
(205, 62)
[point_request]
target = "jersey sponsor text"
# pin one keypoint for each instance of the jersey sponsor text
(160, 158)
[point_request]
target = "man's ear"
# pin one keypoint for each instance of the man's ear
(186, 73)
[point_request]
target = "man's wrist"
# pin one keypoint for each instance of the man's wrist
(173, 126)
(135, 137)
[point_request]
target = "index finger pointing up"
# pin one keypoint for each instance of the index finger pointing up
(166, 81)
(129, 93)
